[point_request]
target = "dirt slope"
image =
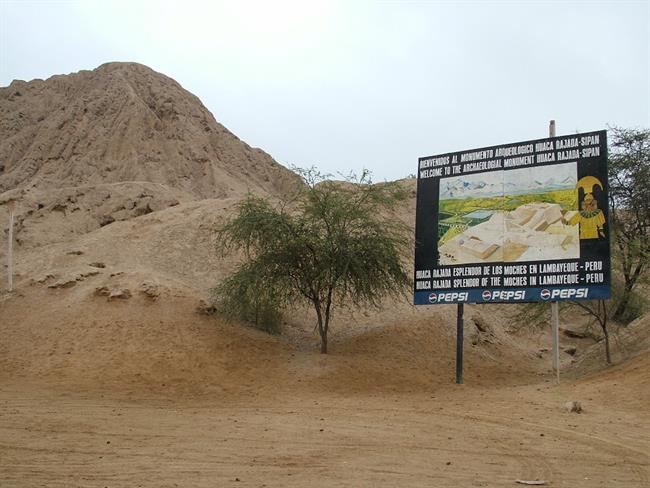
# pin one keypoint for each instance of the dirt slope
(160, 267)
(121, 303)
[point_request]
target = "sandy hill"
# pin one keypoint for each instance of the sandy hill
(123, 304)
(83, 150)
(123, 122)
(120, 178)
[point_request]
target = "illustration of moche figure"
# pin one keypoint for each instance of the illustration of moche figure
(590, 217)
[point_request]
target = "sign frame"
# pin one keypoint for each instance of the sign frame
(582, 272)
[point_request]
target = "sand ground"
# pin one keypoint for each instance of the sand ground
(142, 393)
(448, 436)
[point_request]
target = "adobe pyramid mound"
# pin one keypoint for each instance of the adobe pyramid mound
(124, 122)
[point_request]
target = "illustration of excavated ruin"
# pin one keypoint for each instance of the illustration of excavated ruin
(533, 231)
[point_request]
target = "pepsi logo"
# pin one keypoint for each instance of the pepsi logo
(450, 297)
(545, 294)
(486, 295)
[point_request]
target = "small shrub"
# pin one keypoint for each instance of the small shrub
(243, 297)
(636, 306)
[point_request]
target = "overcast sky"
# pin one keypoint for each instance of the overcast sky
(348, 85)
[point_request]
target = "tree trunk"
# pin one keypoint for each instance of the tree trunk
(608, 355)
(603, 325)
(322, 328)
(622, 305)
(326, 325)
(323, 343)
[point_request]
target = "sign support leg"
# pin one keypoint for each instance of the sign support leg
(555, 315)
(555, 326)
(459, 344)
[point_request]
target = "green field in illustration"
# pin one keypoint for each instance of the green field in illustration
(568, 199)
(457, 215)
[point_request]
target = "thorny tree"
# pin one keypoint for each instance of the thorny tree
(629, 193)
(331, 244)
(597, 309)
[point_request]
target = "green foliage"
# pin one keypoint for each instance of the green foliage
(331, 244)
(629, 194)
(635, 306)
(243, 297)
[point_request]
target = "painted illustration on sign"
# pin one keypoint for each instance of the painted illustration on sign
(590, 218)
(518, 222)
(526, 214)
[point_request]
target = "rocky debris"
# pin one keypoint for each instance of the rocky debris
(150, 290)
(575, 334)
(97, 264)
(75, 253)
(68, 282)
(86, 274)
(48, 216)
(45, 279)
(64, 283)
(105, 220)
(541, 351)
(114, 293)
(119, 294)
(583, 332)
(571, 350)
(102, 291)
(481, 332)
(573, 407)
(205, 308)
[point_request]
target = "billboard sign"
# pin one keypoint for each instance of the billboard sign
(519, 222)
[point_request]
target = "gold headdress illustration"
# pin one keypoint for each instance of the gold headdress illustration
(590, 217)
(587, 183)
